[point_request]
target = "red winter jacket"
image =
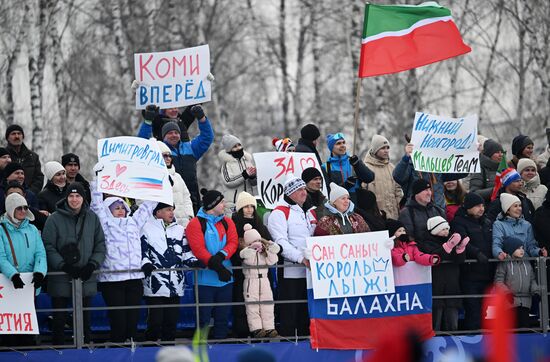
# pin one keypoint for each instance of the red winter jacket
(195, 237)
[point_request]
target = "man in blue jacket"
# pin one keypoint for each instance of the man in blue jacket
(344, 170)
(185, 154)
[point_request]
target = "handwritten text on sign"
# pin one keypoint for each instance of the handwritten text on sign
(133, 167)
(445, 145)
(173, 79)
(350, 265)
(17, 313)
(273, 169)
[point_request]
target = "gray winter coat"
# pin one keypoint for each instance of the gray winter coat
(482, 183)
(62, 228)
(518, 276)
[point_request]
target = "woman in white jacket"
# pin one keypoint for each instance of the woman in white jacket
(182, 197)
(238, 171)
(532, 187)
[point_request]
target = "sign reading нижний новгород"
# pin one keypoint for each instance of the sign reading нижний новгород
(173, 79)
(445, 145)
(350, 265)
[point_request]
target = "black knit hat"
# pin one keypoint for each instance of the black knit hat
(472, 199)
(14, 127)
(3, 151)
(490, 147)
(419, 186)
(519, 143)
(76, 187)
(68, 158)
(392, 226)
(210, 198)
(11, 168)
(310, 173)
(511, 244)
(160, 206)
(310, 132)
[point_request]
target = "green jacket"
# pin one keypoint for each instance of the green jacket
(62, 228)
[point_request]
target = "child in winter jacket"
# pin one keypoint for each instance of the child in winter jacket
(517, 275)
(445, 277)
(404, 249)
(164, 246)
(259, 252)
(122, 240)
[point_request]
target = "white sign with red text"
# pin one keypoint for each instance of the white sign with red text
(173, 79)
(17, 313)
(350, 265)
(273, 168)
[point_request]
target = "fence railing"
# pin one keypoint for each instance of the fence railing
(78, 309)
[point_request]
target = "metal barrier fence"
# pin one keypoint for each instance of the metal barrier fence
(78, 309)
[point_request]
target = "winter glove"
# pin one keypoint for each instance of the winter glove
(406, 257)
(86, 271)
(462, 245)
(451, 243)
(245, 174)
(353, 160)
(17, 282)
(481, 258)
(350, 182)
(197, 112)
(147, 269)
(224, 275)
(71, 270)
(37, 280)
(150, 113)
(186, 117)
(216, 260)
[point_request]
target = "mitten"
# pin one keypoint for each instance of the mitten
(216, 260)
(451, 243)
(481, 258)
(86, 271)
(37, 280)
(73, 271)
(462, 245)
(17, 282)
(147, 269)
(150, 113)
(353, 160)
(224, 275)
(197, 112)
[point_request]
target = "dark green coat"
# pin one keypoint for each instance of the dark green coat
(62, 228)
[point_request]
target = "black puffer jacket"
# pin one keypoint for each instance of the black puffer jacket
(541, 225)
(480, 232)
(34, 178)
(50, 196)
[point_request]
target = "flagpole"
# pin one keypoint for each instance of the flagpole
(356, 116)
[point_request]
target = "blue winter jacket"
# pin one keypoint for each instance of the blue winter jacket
(338, 170)
(520, 228)
(213, 245)
(28, 247)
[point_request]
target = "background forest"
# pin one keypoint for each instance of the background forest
(66, 67)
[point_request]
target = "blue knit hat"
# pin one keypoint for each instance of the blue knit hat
(511, 244)
(332, 139)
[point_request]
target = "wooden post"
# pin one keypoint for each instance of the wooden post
(356, 116)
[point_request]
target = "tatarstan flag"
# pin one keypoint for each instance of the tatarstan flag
(402, 37)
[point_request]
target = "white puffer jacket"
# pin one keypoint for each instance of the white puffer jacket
(291, 234)
(233, 180)
(165, 247)
(182, 198)
(535, 191)
(122, 236)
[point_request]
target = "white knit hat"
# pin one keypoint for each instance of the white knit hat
(523, 163)
(229, 141)
(175, 354)
(436, 224)
(507, 200)
(13, 201)
(377, 143)
(163, 147)
(244, 199)
(250, 234)
(336, 192)
(293, 184)
(51, 168)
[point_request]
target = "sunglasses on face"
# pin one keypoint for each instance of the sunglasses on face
(21, 208)
(338, 136)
